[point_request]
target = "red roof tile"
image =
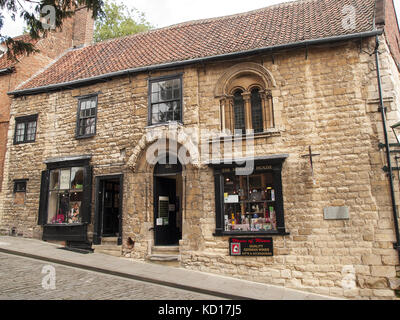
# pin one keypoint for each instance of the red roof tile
(285, 23)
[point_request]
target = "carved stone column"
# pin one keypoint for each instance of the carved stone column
(222, 103)
(247, 110)
(264, 107)
(271, 110)
(229, 115)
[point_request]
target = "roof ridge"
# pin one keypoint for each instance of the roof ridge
(197, 22)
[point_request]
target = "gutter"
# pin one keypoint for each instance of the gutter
(7, 70)
(105, 77)
(387, 145)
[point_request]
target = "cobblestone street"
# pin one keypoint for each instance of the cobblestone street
(22, 278)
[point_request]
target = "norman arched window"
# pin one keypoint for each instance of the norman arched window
(238, 110)
(256, 111)
(246, 99)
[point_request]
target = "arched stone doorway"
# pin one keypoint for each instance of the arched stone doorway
(168, 194)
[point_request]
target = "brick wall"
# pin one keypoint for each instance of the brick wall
(386, 16)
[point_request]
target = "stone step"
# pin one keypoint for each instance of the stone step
(165, 259)
(165, 250)
(112, 250)
(110, 240)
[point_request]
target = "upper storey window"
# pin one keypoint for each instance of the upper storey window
(165, 100)
(25, 129)
(246, 99)
(87, 117)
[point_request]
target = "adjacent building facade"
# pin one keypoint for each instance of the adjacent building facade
(236, 145)
(76, 32)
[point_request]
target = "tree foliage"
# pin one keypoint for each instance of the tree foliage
(33, 12)
(118, 21)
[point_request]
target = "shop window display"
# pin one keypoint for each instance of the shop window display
(65, 196)
(249, 203)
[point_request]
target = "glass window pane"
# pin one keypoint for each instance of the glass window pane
(83, 105)
(154, 97)
(155, 87)
(77, 178)
(65, 179)
(52, 207)
(75, 203)
(58, 207)
(90, 126)
(238, 108)
(20, 132)
(256, 111)
(177, 94)
(55, 180)
(31, 132)
(249, 203)
(20, 186)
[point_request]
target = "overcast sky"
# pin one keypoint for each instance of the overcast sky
(162, 13)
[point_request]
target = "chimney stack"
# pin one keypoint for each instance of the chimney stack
(83, 27)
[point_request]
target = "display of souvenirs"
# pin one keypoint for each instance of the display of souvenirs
(249, 202)
(74, 215)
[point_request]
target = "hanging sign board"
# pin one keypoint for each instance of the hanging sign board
(251, 247)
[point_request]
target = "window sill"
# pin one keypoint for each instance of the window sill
(85, 137)
(65, 225)
(275, 132)
(165, 124)
(220, 233)
(24, 142)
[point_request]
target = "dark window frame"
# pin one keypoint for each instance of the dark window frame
(276, 169)
(87, 190)
(26, 120)
(78, 116)
(150, 103)
(18, 181)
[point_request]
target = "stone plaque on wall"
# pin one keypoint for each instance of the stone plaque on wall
(336, 213)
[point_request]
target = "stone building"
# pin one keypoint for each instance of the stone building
(250, 145)
(77, 31)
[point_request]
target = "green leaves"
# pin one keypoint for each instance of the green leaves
(119, 21)
(32, 12)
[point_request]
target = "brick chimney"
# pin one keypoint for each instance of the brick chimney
(83, 27)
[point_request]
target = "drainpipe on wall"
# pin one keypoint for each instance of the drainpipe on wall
(382, 109)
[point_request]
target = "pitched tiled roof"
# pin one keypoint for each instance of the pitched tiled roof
(276, 25)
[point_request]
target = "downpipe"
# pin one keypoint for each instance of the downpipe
(382, 109)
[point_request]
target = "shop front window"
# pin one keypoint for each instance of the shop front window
(65, 196)
(249, 203)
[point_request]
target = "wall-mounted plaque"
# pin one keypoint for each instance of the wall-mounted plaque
(336, 213)
(251, 247)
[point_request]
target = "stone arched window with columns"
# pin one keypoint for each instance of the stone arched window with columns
(245, 95)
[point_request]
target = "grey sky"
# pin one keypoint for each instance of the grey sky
(162, 13)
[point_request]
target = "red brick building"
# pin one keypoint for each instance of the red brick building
(77, 31)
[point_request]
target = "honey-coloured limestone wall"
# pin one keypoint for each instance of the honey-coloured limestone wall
(326, 99)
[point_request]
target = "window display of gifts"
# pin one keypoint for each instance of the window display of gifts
(241, 227)
(255, 195)
(74, 216)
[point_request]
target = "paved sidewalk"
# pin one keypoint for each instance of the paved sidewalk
(200, 282)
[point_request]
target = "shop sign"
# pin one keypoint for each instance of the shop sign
(251, 247)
